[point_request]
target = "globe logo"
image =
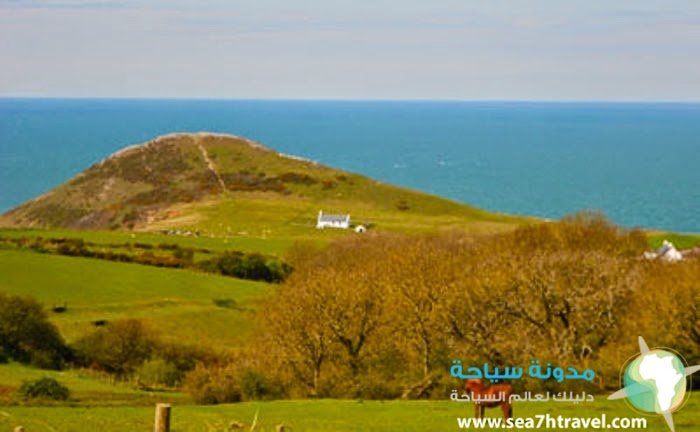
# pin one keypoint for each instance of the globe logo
(661, 375)
(655, 382)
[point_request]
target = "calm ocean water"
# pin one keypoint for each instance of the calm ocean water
(639, 163)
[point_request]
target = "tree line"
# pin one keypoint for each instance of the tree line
(383, 315)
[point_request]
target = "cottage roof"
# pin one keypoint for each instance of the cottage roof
(333, 218)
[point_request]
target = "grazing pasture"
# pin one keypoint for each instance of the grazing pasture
(179, 305)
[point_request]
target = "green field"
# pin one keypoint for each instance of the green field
(177, 304)
(680, 241)
(88, 388)
(317, 415)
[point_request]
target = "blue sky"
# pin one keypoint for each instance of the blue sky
(327, 49)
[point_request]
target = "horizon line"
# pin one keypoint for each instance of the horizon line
(408, 100)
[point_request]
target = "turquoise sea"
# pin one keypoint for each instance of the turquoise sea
(637, 162)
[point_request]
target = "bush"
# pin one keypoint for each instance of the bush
(184, 357)
(119, 348)
(27, 336)
(255, 386)
(227, 303)
(158, 372)
(44, 388)
(247, 266)
(213, 385)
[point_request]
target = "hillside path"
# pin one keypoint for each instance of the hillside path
(210, 163)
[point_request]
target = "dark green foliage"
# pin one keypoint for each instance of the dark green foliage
(71, 247)
(255, 386)
(169, 246)
(232, 263)
(126, 348)
(248, 266)
(151, 259)
(183, 357)
(113, 256)
(185, 255)
(27, 336)
(120, 347)
(227, 303)
(59, 309)
(44, 388)
(297, 178)
(159, 373)
(247, 181)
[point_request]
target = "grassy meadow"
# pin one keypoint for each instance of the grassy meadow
(316, 416)
(177, 304)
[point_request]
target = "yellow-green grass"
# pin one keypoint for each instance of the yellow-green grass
(216, 244)
(321, 415)
(177, 304)
(86, 387)
(270, 223)
(680, 241)
(248, 218)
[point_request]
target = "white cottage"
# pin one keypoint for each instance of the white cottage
(667, 252)
(332, 221)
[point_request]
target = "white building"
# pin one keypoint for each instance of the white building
(332, 221)
(667, 252)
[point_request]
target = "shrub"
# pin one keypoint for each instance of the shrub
(328, 184)
(44, 388)
(120, 347)
(184, 357)
(158, 372)
(185, 255)
(227, 303)
(212, 385)
(255, 386)
(246, 181)
(297, 178)
(27, 336)
(402, 205)
(247, 266)
(148, 258)
(71, 247)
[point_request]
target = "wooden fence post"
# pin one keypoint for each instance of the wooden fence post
(162, 418)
